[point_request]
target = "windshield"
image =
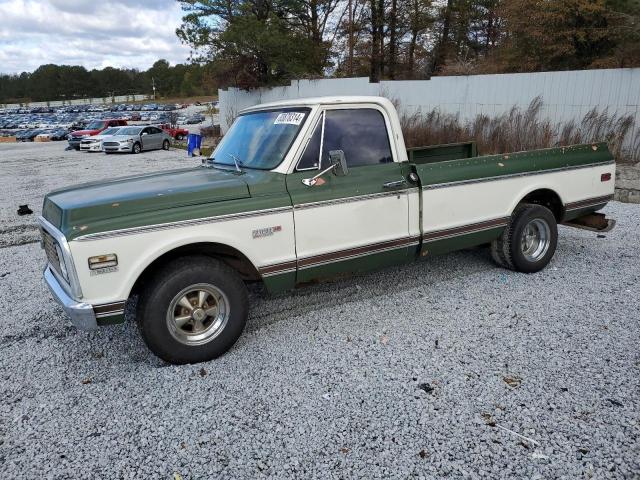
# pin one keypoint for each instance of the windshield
(130, 131)
(260, 139)
(97, 125)
(110, 131)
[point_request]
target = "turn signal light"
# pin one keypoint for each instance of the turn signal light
(103, 261)
(605, 177)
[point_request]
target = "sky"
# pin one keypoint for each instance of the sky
(91, 33)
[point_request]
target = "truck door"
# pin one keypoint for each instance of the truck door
(354, 222)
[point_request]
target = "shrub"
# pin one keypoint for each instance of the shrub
(519, 130)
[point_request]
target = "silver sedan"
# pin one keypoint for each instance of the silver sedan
(137, 139)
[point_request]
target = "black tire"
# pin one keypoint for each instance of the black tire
(137, 148)
(179, 137)
(166, 145)
(508, 250)
(155, 309)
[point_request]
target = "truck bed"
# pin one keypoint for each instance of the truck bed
(440, 153)
(460, 162)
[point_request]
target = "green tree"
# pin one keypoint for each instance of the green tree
(258, 42)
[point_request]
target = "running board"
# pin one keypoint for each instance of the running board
(594, 222)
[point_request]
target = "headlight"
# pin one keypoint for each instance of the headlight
(129, 141)
(63, 266)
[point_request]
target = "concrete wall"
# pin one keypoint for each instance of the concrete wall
(628, 183)
(82, 101)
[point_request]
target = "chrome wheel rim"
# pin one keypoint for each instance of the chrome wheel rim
(198, 314)
(535, 239)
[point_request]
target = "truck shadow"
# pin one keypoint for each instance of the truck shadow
(269, 309)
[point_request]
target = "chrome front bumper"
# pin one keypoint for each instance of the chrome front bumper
(81, 314)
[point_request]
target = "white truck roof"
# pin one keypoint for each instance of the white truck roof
(329, 100)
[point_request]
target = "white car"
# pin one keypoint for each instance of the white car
(94, 143)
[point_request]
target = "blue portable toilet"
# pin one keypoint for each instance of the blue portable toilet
(194, 140)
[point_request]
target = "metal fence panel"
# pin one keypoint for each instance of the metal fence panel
(566, 95)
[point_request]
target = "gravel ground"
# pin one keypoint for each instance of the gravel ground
(440, 368)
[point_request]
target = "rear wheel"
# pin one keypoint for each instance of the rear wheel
(529, 240)
(193, 310)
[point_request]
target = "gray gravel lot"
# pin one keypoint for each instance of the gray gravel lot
(424, 371)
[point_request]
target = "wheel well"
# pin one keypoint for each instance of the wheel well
(547, 198)
(229, 255)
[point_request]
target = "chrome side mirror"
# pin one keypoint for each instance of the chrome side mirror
(338, 166)
(338, 162)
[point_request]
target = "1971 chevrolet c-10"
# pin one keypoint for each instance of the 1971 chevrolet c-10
(298, 191)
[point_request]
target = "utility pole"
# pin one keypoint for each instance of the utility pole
(351, 38)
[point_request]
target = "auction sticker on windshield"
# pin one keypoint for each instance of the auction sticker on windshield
(290, 118)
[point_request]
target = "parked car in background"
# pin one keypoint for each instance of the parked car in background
(175, 132)
(93, 128)
(94, 143)
(137, 139)
(194, 119)
(59, 134)
(28, 135)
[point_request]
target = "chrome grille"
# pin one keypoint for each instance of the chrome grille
(49, 245)
(111, 144)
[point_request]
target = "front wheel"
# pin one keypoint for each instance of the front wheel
(529, 240)
(166, 145)
(137, 148)
(193, 311)
(179, 137)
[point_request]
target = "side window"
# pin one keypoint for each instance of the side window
(360, 133)
(311, 154)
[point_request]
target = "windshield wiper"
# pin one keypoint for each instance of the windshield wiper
(236, 161)
(211, 162)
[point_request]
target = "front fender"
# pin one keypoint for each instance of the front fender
(136, 251)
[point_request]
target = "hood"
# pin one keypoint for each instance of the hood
(83, 209)
(123, 137)
(100, 136)
(80, 133)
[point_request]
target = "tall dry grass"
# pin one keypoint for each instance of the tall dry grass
(520, 130)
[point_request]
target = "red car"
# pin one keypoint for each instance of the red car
(177, 133)
(94, 128)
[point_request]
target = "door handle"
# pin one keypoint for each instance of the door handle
(394, 185)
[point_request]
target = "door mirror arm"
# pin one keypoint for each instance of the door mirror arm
(338, 166)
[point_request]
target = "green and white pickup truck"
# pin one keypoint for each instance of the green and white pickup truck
(298, 191)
